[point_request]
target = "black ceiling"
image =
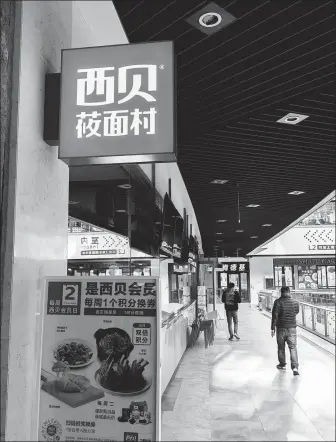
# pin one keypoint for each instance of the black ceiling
(232, 87)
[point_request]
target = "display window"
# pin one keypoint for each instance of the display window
(326, 277)
(109, 268)
(284, 276)
(308, 277)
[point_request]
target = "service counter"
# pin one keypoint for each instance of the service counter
(174, 335)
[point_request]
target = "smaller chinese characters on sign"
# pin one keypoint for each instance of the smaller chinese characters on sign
(116, 123)
(103, 245)
(141, 334)
(326, 247)
(236, 267)
(120, 298)
(64, 298)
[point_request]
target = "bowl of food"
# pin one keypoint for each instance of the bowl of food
(113, 340)
(122, 377)
(76, 353)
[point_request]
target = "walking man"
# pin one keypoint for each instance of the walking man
(231, 298)
(284, 314)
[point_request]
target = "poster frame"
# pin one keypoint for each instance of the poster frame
(39, 342)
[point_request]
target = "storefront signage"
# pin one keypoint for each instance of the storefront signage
(303, 261)
(301, 240)
(235, 267)
(97, 245)
(99, 368)
(117, 104)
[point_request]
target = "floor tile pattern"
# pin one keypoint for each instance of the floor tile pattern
(233, 392)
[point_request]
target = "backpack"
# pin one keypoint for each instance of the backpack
(230, 296)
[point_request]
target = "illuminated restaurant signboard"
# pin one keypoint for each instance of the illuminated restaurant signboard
(118, 104)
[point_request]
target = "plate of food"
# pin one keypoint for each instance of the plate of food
(122, 378)
(113, 340)
(76, 353)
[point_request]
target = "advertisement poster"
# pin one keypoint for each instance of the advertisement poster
(307, 277)
(99, 363)
(201, 297)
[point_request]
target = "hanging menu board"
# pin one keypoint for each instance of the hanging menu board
(100, 360)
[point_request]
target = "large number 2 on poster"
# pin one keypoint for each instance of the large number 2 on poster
(70, 294)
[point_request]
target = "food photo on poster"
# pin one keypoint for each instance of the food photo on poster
(99, 374)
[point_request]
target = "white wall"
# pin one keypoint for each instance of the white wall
(303, 240)
(96, 23)
(259, 269)
(40, 197)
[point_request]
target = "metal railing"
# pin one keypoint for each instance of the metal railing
(316, 316)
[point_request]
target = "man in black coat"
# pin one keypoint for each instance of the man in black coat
(284, 314)
(231, 298)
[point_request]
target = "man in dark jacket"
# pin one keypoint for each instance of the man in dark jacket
(231, 298)
(284, 314)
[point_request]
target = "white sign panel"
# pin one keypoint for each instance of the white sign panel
(100, 245)
(100, 360)
(94, 245)
(311, 240)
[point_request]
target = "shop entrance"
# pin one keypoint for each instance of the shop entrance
(240, 280)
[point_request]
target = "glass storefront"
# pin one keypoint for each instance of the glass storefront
(180, 282)
(238, 274)
(325, 215)
(122, 267)
(305, 274)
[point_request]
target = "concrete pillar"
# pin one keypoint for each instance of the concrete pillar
(37, 201)
(34, 245)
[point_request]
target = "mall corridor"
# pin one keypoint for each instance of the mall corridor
(233, 391)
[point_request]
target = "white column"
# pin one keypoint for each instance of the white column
(39, 186)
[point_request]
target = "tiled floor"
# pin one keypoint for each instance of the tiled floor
(233, 392)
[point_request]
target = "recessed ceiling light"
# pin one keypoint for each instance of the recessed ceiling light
(125, 186)
(254, 237)
(210, 19)
(239, 231)
(292, 118)
(296, 192)
(253, 205)
(221, 220)
(219, 233)
(219, 181)
(120, 210)
(266, 225)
